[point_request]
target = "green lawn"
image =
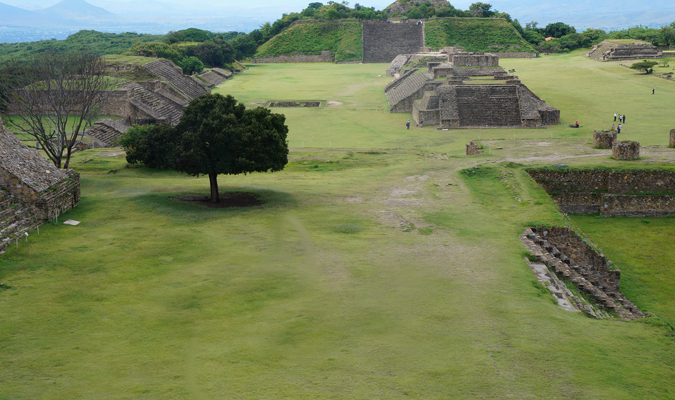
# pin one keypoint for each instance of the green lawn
(377, 269)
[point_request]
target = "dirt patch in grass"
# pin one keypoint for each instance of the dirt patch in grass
(227, 200)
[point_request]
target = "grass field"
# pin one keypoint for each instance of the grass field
(377, 268)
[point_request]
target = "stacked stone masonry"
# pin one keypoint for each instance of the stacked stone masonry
(626, 150)
(325, 56)
(573, 260)
(107, 132)
(604, 139)
(383, 41)
(638, 193)
(32, 190)
(672, 139)
(609, 51)
(169, 72)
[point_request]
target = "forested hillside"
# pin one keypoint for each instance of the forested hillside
(342, 39)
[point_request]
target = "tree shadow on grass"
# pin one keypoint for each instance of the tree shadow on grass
(171, 201)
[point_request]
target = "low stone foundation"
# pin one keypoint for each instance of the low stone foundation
(294, 104)
(325, 56)
(672, 138)
(569, 256)
(626, 150)
(610, 193)
(472, 149)
(604, 139)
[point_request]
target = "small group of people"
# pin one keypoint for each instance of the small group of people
(622, 120)
(407, 124)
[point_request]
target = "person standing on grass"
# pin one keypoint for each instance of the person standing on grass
(653, 89)
(407, 125)
(624, 118)
(421, 123)
(618, 130)
(614, 117)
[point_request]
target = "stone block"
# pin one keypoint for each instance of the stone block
(626, 150)
(604, 139)
(672, 138)
(472, 149)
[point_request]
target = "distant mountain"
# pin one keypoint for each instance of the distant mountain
(79, 10)
(15, 16)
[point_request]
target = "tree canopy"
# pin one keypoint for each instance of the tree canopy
(216, 135)
(644, 66)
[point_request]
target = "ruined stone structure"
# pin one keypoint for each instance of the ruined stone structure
(173, 75)
(604, 139)
(573, 260)
(610, 193)
(472, 96)
(626, 150)
(611, 51)
(215, 76)
(383, 41)
(32, 190)
(325, 56)
(472, 149)
(107, 132)
(672, 139)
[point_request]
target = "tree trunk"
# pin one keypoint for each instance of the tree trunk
(213, 178)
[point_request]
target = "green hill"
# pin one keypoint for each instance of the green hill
(342, 39)
(475, 34)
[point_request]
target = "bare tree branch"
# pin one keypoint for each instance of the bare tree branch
(55, 97)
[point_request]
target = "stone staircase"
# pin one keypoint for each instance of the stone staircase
(488, 105)
(153, 104)
(15, 220)
(383, 41)
(174, 76)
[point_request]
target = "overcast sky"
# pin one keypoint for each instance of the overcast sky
(216, 5)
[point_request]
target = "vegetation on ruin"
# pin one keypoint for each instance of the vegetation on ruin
(382, 264)
(342, 39)
(475, 35)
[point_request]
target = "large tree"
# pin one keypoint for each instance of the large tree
(216, 135)
(644, 65)
(55, 97)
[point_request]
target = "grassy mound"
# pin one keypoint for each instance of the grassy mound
(342, 39)
(475, 35)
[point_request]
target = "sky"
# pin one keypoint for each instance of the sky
(219, 6)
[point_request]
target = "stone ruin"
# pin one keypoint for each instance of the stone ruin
(476, 93)
(156, 101)
(32, 190)
(573, 260)
(293, 104)
(633, 193)
(626, 150)
(472, 149)
(604, 139)
(612, 51)
(672, 138)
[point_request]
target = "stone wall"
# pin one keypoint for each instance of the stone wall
(32, 190)
(604, 139)
(672, 139)
(573, 260)
(325, 56)
(626, 150)
(488, 105)
(475, 60)
(515, 55)
(610, 193)
(383, 41)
